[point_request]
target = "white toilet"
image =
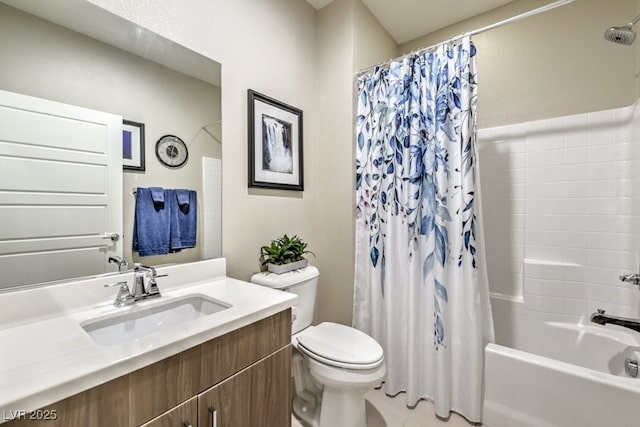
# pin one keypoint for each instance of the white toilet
(333, 365)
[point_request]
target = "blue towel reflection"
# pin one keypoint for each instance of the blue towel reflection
(151, 222)
(184, 219)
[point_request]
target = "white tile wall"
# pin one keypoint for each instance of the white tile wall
(212, 207)
(561, 202)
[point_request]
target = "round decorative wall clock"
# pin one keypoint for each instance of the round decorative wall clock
(172, 151)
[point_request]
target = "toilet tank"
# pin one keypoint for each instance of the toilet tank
(302, 282)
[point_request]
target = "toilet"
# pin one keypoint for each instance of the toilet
(333, 365)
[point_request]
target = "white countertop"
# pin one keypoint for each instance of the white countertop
(46, 356)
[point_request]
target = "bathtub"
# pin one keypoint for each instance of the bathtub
(569, 375)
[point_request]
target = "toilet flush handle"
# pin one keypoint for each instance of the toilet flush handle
(294, 312)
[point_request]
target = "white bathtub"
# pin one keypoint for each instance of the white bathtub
(570, 375)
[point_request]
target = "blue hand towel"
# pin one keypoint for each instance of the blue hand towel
(151, 223)
(184, 219)
(183, 197)
(157, 194)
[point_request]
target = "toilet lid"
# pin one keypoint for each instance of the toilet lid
(341, 346)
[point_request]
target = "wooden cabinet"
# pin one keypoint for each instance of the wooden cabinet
(244, 375)
(159, 387)
(106, 404)
(252, 398)
(184, 415)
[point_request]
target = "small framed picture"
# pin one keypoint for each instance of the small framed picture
(275, 144)
(132, 145)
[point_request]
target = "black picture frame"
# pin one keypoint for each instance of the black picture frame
(275, 144)
(133, 146)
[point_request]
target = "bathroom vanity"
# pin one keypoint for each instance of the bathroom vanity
(231, 367)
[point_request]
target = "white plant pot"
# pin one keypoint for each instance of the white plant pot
(285, 268)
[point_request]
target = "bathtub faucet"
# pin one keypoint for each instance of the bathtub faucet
(633, 278)
(602, 319)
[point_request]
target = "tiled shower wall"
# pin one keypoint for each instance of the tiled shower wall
(562, 212)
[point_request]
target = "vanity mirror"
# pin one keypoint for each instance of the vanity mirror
(95, 60)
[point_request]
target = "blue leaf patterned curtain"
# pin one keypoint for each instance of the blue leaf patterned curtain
(420, 282)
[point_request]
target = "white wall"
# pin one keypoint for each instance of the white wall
(348, 38)
(334, 49)
(373, 44)
(549, 65)
(267, 46)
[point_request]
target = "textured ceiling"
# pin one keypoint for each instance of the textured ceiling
(406, 20)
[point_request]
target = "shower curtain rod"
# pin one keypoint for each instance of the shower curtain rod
(473, 32)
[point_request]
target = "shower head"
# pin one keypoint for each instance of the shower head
(622, 35)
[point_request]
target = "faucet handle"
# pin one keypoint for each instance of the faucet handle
(153, 285)
(122, 284)
(124, 296)
(151, 270)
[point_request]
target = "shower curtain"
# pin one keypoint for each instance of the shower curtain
(420, 282)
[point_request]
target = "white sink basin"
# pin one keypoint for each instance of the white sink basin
(127, 327)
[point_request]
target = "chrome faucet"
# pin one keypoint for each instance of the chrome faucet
(139, 276)
(602, 319)
(122, 264)
(153, 290)
(140, 291)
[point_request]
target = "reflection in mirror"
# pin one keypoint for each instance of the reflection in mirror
(146, 79)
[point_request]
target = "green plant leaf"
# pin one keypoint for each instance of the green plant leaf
(284, 250)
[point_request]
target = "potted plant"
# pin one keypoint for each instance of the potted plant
(284, 254)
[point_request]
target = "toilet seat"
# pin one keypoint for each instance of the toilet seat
(340, 346)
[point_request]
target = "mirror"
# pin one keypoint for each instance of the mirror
(97, 60)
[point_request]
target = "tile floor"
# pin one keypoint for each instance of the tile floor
(386, 411)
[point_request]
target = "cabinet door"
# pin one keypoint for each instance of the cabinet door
(159, 387)
(237, 350)
(184, 415)
(257, 396)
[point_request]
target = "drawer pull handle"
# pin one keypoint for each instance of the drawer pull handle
(214, 416)
(187, 424)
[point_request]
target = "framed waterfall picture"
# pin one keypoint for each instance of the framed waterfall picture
(132, 145)
(275, 144)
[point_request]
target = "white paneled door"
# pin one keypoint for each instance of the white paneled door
(60, 190)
